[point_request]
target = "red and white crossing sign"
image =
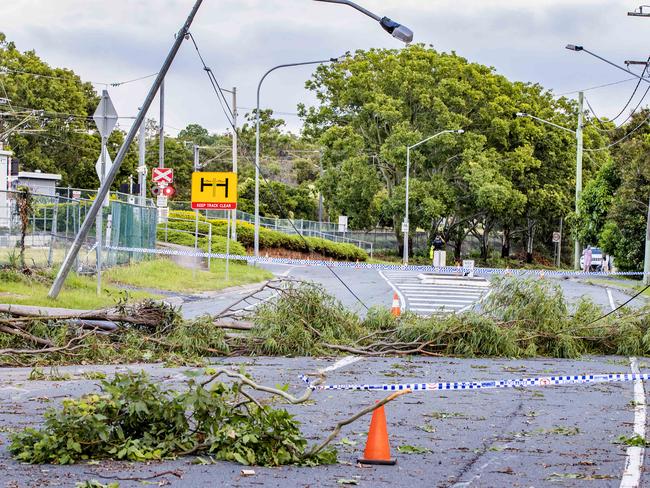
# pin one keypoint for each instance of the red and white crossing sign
(162, 175)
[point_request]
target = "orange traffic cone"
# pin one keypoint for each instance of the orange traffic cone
(396, 309)
(377, 448)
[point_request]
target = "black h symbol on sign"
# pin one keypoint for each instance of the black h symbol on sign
(214, 186)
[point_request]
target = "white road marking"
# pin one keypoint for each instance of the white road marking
(402, 300)
(634, 455)
(341, 363)
(611, 299)
(434, 298)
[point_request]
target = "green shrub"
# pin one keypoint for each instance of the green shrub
(271, 239)
(136, 419)
(185, 239)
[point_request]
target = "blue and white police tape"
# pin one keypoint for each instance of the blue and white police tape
(387, 267)
(490, 384)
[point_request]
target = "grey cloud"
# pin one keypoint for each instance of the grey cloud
(240, 39)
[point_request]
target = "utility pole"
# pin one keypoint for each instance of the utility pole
(161, 146)
(142, 166)
(233, 232)
(103, 190)
(646, 257)
(579, 144)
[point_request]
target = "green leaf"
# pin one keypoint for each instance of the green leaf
(408, 449)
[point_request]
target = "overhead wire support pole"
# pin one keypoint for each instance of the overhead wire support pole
(106, 185)
(142, 166)
(646, 258)
(161, 141)
(579, 151)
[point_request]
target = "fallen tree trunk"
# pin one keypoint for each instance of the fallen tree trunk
(147, 315)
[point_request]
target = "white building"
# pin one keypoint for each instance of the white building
(5, 175)
(37, 182)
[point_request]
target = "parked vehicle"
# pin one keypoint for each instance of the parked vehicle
(596, 259)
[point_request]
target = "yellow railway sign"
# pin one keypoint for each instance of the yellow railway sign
(214, 191)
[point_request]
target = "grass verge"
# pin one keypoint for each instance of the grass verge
(79, 292)
(634, 286)
(163, 274)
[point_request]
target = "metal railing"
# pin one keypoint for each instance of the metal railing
(197, 234)
(307, 228)
(56, 219)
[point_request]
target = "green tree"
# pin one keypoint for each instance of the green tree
(375, 103)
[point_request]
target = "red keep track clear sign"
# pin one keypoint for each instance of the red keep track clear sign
(162, 175)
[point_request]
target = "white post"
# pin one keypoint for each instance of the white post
(228, 249)
(646, 261)
(99, 221)
(209, 246)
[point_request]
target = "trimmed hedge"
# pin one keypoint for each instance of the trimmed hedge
(184, 239)
(271, 239)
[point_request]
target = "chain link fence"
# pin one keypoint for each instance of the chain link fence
(55, 220)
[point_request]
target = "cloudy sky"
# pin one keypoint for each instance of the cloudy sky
(116, 40)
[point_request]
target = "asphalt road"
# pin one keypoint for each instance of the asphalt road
(361, 288)
(429, 294)
(526, 437)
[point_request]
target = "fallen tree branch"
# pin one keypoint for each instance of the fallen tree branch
(371, 408)
(67, 348)
(178, 473)
(235, 326)
(25, 335)
(267, 389)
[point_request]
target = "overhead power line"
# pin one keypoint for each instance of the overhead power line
(626, 136)
(4, 69)
(636, 88)
(222, 100)
(597, 87)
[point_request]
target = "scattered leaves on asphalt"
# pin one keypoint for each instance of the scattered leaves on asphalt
(407, 449)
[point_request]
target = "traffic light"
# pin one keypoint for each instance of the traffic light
(169, 191)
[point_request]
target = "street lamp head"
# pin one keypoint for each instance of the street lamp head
(521, 114)
(398, 31)
(573, 47)
(460, 131)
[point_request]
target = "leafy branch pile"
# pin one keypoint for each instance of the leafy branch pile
(521, 318)
(147, 331)
(135, 419)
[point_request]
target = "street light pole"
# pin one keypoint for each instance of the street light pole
(256, 242)
(395, 29)
(405, 225)
(579, 151)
